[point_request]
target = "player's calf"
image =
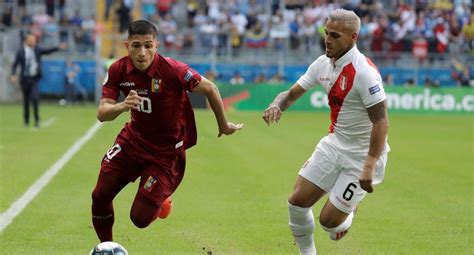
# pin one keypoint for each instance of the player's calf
(338, 232)
(302, 227)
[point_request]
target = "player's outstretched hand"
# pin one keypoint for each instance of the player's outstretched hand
(365, 181)
(272, 114)
(229, 129)
(132, 101)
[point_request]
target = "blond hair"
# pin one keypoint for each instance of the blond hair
(351, 20)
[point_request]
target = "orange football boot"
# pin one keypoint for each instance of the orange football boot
(166, 207)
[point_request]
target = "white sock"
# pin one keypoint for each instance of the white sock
(302, 227)
(343, 227)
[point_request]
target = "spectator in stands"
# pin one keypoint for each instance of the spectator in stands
(188, 40)
(164, 7)
(388, 80)
(410, 83)
(123, 12)
(108, 5)
(260, 78)
(71, 75)
(208, 35)
(428, 83)
(192, 7)
(223, 32)
(280, 31)
(455, 37)
(148, 8)
(465, 80)
(28, 58)
(468, 32)
(308, 33)
(50, 33)
(277, 79)
(240, 22)
(210, 75)
(169, 30)
(237, 79)
(441, 35)
(7, 18)
(77, 19)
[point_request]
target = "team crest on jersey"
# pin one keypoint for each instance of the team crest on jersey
(343, 82)
(155, 85)
(148, 186)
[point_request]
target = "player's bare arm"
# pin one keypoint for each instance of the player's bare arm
(213, 96)
(379, 118)
(109, 109)
(282, 102)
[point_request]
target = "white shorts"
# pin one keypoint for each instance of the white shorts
(337, 172)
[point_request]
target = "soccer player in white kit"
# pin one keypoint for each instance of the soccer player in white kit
(352, 157)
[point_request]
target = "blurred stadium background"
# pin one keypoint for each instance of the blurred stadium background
(232, 200)
(417, 43)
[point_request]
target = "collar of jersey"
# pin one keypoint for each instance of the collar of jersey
(346, 58)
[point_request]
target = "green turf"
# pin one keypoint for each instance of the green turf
(233, 197)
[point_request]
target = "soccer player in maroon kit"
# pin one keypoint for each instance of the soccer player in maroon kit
(152, 145)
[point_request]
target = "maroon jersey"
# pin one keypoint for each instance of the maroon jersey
(165, 123)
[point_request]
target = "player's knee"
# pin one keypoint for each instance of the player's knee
(298, 200)
(97, 195)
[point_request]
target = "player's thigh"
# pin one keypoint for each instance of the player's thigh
(347, 193)
(118, 164)
(159, 181)
(317, 176)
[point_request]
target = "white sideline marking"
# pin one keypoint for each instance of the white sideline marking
(7, 217)
(48, 122)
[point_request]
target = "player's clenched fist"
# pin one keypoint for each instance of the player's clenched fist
(229, 129)
(272, 114)
(132, 101)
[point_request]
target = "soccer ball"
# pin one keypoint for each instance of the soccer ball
(109, 248)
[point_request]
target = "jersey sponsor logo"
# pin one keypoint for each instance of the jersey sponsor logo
(155, 85)
(127, 84)
(142, 92)
(343, 82)
(374, 89)
(323, 79)
(148, 186)
(188, 76)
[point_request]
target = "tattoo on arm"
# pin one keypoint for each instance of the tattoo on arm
(378, 111)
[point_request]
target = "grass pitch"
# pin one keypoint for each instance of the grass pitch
(233, 197)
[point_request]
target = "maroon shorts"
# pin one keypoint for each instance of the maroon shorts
(159, 177)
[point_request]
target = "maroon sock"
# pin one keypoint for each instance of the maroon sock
(102, 208)
(103, 220)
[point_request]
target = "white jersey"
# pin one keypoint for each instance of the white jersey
(352, 84)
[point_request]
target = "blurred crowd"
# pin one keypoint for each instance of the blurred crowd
(428, 29)
(387, 26)
(423, 27)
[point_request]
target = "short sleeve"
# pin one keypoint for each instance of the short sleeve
(190, 79)
(187, 76)
(110, 87)
(309, 80)
(370, 87)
